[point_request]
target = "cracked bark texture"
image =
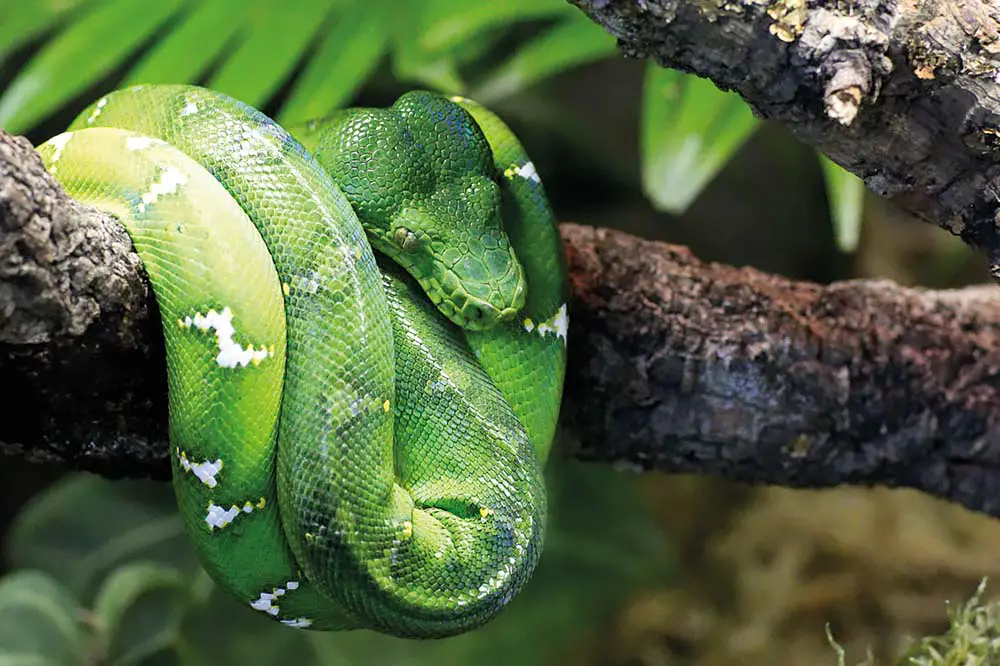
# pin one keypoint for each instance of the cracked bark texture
(80, 342)
(903, 93)
(675, 364)
(684, 366)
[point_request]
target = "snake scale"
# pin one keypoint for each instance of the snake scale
(365, 340)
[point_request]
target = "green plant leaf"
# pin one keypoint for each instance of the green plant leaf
(140, 607)
(38, 621)
(277, 36)
(444, 24)
(82, 528)
(846, 197)
(79, 57)
(27, 660)
(166, 657)
(431, 37)
(413, 63)
(193, 45)
(224, 631)
(690, 130)
(20, 21)
(345, 57)
(572, 42)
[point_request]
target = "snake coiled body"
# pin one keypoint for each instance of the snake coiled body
(366, 344)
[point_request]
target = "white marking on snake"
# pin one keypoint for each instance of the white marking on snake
(218, 517)
(189, 109)
(264, 602)
(170, 181)
(557, 323)
(101, 103)
(301, 622)
(309, 283)
(142, 142)
(205, 471)
(58, 143)
(527, 171)
(231, 353)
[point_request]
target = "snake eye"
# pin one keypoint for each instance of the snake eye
(405, 239)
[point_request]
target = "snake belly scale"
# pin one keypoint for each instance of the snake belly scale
(366, 342)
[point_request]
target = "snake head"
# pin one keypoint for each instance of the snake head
(420, 175)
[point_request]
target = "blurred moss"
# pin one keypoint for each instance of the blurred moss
(972, 638)
(764, 572)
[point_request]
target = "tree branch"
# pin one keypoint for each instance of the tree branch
(685, 366)
(675, 364)
(904, 94)
(80, 343)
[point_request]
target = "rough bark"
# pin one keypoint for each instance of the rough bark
(80, 342)
(676, 364)
(904, 93)
(684, 366)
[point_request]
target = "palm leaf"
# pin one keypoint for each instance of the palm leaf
(276, 39)
(345, 57)
(210, 25)
(447, 23)
(20, 21)
(690, 130)
(570, 43)
(79, 57)
(846, 197)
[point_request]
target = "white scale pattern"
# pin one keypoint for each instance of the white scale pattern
(59, 143)
(265, 603)
(204, 471)
(231, 354)
(219, 517)
(557, 324)
(101, 103)
(171, 180)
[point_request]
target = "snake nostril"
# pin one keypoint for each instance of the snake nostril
(476, 313)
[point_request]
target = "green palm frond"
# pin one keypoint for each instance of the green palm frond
(312, 55)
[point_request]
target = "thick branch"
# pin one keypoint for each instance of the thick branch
(905, 94)
(684, 366)
(675, 364)
(80, 345)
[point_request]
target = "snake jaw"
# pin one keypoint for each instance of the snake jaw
(478, 301)
(477, 290)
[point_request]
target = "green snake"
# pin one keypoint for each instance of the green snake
(365, 338)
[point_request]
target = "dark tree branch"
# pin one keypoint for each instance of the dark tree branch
(905, 94)
(80, 344)
(676, 364)
(685, 366)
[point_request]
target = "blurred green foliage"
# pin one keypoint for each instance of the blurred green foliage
(689, 131)
(103, 574)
